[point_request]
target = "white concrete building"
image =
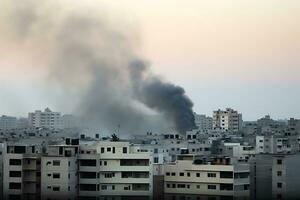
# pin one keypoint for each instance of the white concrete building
(194, 177)
(7, 122)
(228, 120)
(46, 119)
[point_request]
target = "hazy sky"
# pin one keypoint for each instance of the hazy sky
(225, 53)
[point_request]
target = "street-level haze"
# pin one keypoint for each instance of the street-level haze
(92, 58)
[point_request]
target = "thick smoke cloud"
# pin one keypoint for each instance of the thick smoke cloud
(95, 59)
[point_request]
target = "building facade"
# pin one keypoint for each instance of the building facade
(228, 120)
(45, 119)
(203, 178)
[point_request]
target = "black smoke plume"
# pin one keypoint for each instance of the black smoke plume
(94, 60)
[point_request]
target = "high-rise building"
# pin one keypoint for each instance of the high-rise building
(46, 119)
(227, 120)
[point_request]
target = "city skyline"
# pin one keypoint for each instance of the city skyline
(238, 54)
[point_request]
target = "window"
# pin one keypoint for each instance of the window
(114, 149)
(279, 185)
(198, 174)
(180, 185)
(103, 187)
(15, 186)
(198, 186)
(155, 160)
(109, 175)
(168, 185)
(211, 187)
(188, 174)
(173, 174)
(167, 173)
(124, 149)
(211, 175)
(56, 175)
(102, 149)
(108, 149)
(113, 187)
(15, 162)
(181, 174)
(127, 188)
(173, 185)
(15, 173)
(279, 161)
(155, 150)
(105, 163)
(226, 174)
(279, 173)
(88, 162)
(56, 188)
(56, 163)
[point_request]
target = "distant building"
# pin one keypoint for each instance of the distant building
(46, 119)
(275, 176)
(294, 124)
(277, 144)
(7, 122)
(22, 123)
(69, 121)
(203, 122)
(228, 120)
(205, 178)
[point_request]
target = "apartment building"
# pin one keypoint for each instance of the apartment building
(275, 176)
(228, 120)
(203, 122)
(277, 144)
(59, 179)
(21, 172)
(197, 177)
(7, 122)
(114, 170)
(45, 119)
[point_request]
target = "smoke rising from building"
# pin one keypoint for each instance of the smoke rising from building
(93, 58)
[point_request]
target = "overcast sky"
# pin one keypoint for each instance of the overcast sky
(225, 53)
